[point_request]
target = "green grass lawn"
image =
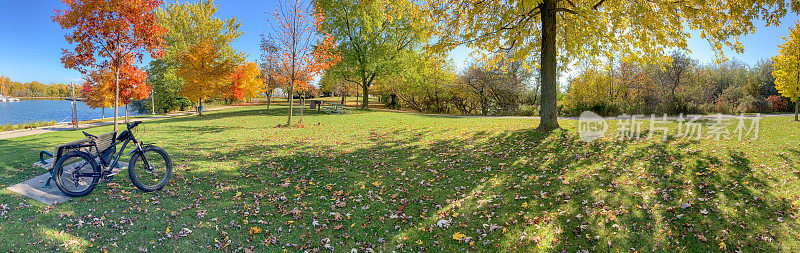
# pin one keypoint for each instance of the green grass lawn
(407, 182)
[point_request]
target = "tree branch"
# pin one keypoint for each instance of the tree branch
(598, 4)
(566, 10)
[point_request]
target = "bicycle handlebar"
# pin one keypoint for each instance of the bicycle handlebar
(88, 134)
(133, 124)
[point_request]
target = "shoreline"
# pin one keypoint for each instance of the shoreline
(26, 125)
(85, 113)
(95, 123)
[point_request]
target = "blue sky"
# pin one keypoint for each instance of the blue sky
(30, 43)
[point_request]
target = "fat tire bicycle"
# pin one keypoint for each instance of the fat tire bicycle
(78, 172)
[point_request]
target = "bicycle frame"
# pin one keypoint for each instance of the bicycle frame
(109, 168)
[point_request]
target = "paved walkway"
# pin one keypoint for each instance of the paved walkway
(66, 127)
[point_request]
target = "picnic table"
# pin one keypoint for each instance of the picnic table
(336, 108)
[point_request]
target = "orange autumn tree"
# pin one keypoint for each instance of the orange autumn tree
(245, 82)
(99, 88)
(304, 50)
(98, 94)
(106, 32)
(205, 72)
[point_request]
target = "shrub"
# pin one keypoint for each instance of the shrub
(777, 103)
(722, 106)
(603, 108)
(527, 110)
(747, 104)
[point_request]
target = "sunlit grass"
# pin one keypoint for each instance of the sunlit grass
(406, 182)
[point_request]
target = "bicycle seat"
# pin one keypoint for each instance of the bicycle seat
(133, 124)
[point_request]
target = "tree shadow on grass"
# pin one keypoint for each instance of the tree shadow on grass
(520, 190)
(417, 190)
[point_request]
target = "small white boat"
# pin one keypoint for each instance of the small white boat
(8, 99)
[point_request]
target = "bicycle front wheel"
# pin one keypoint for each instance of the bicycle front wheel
(150, 169)
(76, 174)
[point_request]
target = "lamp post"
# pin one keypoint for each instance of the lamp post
(74, 107)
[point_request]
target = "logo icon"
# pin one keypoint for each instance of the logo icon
(591, 126)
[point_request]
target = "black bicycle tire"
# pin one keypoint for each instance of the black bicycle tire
(132, 169)
(58, 169)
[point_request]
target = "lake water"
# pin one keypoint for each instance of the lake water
(50, 110)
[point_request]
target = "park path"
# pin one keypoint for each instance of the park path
(66, 127)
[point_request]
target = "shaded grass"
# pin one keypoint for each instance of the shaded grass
(405, 182)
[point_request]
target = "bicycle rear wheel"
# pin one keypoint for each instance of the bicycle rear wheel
(150, 169)
(70, 173)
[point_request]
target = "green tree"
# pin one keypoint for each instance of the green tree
(166, 88)
(332, 83)
(564, 30)
(787, 68)
(371, 35)
(189, 25)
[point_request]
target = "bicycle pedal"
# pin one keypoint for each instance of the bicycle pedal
(109, 176)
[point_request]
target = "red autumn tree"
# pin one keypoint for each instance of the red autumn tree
(105, 32)
(304, 51)
(245, 83)
(98, 90)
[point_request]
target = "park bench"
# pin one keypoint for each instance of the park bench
(335, 108)
(103, 141)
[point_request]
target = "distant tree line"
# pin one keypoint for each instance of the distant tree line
(502, 86)
(33, 89)
(430, 83)
(679, 86)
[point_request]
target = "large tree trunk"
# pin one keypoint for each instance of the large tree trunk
(365, 100)
(549, 110)
(796, 108)
(343, 95)
(116, 94)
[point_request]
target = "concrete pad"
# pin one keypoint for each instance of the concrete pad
(47, 165)
(32, 188)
